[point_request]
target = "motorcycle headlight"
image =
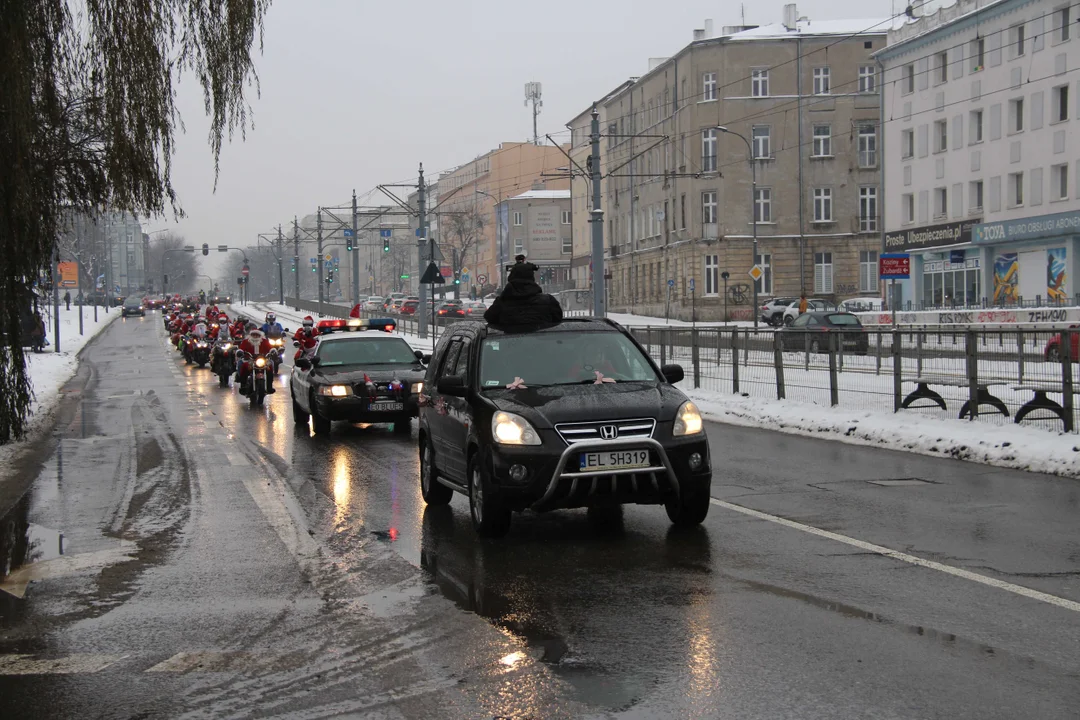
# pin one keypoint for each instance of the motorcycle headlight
(417, 388)
(336, 390)
(260, 362)
(510, 429)
(687, 420)
(227, 347)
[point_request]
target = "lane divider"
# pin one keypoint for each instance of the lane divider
(905, 557)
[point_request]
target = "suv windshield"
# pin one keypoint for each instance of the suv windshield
(366, 351)
(562, 358)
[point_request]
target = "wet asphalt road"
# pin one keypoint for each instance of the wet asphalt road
(219, 562)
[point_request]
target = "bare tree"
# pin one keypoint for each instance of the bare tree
(461, 231)
(178, 265)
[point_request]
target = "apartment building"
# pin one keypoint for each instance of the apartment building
(540, 227)
(475, 189)
(802, 96)
(981, 152)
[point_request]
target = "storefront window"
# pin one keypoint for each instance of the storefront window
(951, 284)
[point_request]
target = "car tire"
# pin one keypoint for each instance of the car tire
(815, 347)
(319, 423)
(299, 416)
(1053, 355)
(788, 319)
(433, 492)
(689, 508)
(490, 516)
(403, 427)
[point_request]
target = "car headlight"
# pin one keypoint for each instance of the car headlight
(335, 390)
(260, 362)
(687, 420)
(510, 429)
(417, 388)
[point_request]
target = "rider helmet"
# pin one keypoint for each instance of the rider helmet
(271, 317)
(309, 322)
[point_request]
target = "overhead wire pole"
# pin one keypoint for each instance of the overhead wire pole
(355, 254)
(280, 269)
(597, 220)
(421, 206)
(319, 259)
(296, 260)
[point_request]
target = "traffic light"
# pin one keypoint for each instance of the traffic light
(294, 264)
(457, 277)
(329, 276)
(206, 248)
(348, 243)
(386, 244)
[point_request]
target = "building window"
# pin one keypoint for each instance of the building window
(708, 86)
(951, 284)
(867, 79)
(941, 202)
(941, 135)
(712, 275)
(759, 82)
(868, 270)
(1016, 189)
(975, 195)
(517, 219)
(907, 84)
(823, 273)
(976, 130)
(1016, 115)
(708, 207)
(978, 54)
(1059, 181)
(867, 146)
(1017, 40)
(763, 205)
(1060, 103)
(1061, 22)
(908, 203)
(567, 245)
(941, 67)
(708, 150)
(823, 205)
(868, 209)
(519, 246)
(682, 211)
(822, 146)
(764, 285)
(907, 143)
(822, 81)
(762, 136)
(566, 218)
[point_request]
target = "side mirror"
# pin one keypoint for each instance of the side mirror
(673, 373)
(426, 359)
(316, 361)
(453, 385)
(286, 329)
(303, 363)
(419, 355)
(296, 343)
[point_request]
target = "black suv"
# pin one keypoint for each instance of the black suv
(567, 416)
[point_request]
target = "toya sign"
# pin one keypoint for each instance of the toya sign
(1030, 228)
(930, 236)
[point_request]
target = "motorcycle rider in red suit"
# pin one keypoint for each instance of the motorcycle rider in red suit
(254, 344)
(306, 336)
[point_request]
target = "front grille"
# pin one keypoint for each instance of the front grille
(602, 430)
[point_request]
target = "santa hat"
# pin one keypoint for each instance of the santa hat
(308, 318)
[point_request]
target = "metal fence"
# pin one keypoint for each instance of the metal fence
(993, 376)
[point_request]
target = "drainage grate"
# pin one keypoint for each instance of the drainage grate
(900, 482)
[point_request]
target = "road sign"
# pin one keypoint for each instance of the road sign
(314, 260)
(671, 283)
(223, 248)
(245, 271)
(445, 271)
(348, 232)
(328, 256)
(756, 273)
(894, 266)
(385, 232)
(691, 284)
(464, 271)
(431, 276)
(419, 232)
(482, 279)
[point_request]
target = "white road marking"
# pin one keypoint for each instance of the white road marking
(15, 584)
(29, 665)
(237, 459)
(904, 557)
(213, 661)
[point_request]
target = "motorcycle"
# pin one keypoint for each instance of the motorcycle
(223, 362)
(277, 352)
(258, 380)
(186, 345)
(200, 352)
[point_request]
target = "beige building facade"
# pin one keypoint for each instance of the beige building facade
(540, 227)
(679, 211)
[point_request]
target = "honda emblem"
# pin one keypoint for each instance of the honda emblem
(609, 432)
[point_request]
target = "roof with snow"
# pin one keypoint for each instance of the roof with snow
(777, 31)
(543, 195)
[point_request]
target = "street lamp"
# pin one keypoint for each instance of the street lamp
(753, 206)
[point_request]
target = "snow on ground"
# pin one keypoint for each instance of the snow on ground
(49, 370)
(1032, 448)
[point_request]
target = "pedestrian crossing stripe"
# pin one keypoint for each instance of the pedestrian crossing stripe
(200, 661)
(68, 665)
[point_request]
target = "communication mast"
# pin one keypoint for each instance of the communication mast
(532, 93)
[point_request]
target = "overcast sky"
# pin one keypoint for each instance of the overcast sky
(357, 92)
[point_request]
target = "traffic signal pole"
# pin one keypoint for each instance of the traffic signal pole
(296, 259)
(355, 255)
(319, 259)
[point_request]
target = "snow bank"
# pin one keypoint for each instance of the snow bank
(1010, 446)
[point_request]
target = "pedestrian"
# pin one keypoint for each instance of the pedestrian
(67, 299)
(802, 303)
(523, 301)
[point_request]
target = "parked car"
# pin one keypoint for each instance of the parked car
(1052, 352)
(813, 304)
(475, 309)
(861, 304)
(772, 312)
(815, 330)
(519, 421)
(373, 303)
(409, 307)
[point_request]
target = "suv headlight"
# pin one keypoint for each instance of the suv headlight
(336, 390)
(687, 420)
(510, 429)
(417, 388)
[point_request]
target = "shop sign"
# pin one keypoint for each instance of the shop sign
(930, 236)
(1030, 228)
